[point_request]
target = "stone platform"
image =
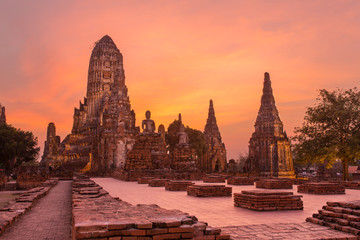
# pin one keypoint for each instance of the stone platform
(240, 181)
(263, 200)
(342, 216)
(177, 185)
(209, 191)
(274, 184)
(321, 188)
(158, 182)
(214, 179)
(144, 180)
(115, 219)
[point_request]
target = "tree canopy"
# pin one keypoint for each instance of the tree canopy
(16, 147)
(331, 130)
(196, 138)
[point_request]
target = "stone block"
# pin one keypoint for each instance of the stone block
(274, 184)
(158, 182)
(209, 191)
(177, 185)
(321, 188)
(263, 200)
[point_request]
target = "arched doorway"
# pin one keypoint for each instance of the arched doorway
(217, 166)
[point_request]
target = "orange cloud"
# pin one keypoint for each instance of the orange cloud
(177, 56)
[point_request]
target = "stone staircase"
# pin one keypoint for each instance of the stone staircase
(342, 216)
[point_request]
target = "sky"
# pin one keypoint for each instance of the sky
(177, 56)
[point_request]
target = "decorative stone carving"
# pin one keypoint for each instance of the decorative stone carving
(269, 146)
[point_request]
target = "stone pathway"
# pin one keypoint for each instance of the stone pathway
(50, 218)
(285, 231)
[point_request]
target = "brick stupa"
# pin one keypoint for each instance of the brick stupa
(269, 146)
(215, 159)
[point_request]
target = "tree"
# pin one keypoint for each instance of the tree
(331, 130)
(196, 138)
(16, 147)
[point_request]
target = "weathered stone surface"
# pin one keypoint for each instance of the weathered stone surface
(321, 188)
(215, 159)
(209, 191)
(274, 184)
(263, 200)
(269, 148)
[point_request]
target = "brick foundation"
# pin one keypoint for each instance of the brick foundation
(177, 185)
(144, 180)
(209, 191)
(240, 181)
(321, 188)
(158, 182)
(273, 184)
(263, 200)
(214, 179)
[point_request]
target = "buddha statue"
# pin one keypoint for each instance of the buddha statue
(183, 137)
(148, 125)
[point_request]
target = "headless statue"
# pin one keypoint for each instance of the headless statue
(148, 125)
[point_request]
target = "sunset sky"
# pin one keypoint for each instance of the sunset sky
(177, 56)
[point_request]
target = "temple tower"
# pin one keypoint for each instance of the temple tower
(105, 61)
(51, 144)
(2, 116)
(104, 124)
(269, 146)
(215, 159)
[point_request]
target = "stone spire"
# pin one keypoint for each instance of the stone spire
(268, 113)
(106, 74)
(215, 158)
(211, 132)
(269, 147)
(2, 116)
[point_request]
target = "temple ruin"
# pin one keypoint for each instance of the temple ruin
(269, 146)
(215, 158)
(104, 124)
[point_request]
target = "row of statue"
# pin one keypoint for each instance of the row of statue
(148, 126)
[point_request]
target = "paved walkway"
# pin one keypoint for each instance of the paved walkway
(285, 231)
(50, 218)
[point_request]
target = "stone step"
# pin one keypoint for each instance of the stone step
(347, 229)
